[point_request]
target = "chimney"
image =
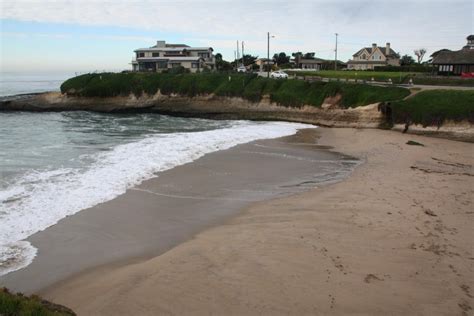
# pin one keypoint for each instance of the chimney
(387, 49)
(160, 43)
(374, 46)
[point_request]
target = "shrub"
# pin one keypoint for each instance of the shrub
(434, 107)
(249, 86)
(18, 304)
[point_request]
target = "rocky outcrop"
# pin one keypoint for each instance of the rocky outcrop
(217, 107)
(206, 106)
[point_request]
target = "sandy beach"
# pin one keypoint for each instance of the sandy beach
(394, 238)
(169, 209)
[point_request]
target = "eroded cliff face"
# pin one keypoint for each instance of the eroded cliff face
(206, 106)
(217, 107)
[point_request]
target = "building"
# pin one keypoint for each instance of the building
(375, 56)
(261, 62)
(165, 56)
(309, 63)
(448, 62)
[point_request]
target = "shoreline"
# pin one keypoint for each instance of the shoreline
(394, 237)
(234, 108)
(166, 210)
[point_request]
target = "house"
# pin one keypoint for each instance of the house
(448, 62)
(163, 56)
(375, 56)
(264, 61)
(309, 63)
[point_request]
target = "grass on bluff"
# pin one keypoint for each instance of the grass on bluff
(294, 93)
(18, 304)
(433, 107)
(396, 77)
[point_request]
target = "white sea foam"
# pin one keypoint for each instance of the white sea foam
(40, 199)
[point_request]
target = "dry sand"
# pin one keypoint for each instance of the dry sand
(394, 238)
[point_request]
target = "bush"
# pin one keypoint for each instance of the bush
(434, 107)
(18, 304)
(249, 86)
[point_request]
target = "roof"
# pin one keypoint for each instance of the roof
(470, 38)
(380, 62)
(463, 57)
(171, 49)
(171, 59)
(311, 61)
(369, 50)
(175, 45)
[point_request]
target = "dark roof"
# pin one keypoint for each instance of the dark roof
(177, 45)
(369, 49)
(470, 38)
(311, 61)
(463, 57)
(384, 62)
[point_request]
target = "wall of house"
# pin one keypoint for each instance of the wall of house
(377, 56)
(310, 66)
(393, 61)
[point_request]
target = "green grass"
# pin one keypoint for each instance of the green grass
(292, 93)
(433, 107)
(17, 304)
(396, 77)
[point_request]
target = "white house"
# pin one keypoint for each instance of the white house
(164, 56)
(375, 56)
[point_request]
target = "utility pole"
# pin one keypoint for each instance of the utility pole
(268, 54)
(243, 53)
(335, 55)
(238, 57)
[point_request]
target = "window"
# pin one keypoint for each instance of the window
(363, 56)
(203, 55)
(176, 65)
(140, 55)
(162, 64)
(155, 54)
(194, 65)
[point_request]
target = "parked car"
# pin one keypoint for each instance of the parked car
(279, 75)
(242, 69)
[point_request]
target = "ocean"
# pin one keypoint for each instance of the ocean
(53, 165)
(22, 83)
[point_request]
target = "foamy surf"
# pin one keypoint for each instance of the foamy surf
(38, 200)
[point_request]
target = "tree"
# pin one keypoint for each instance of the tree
(281, 58)
(309, 55)
(297, 54)
(407, 60)
(221, 64)
(249, 59)
(419, 54)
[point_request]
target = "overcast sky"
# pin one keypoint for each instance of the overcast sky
(76, 35)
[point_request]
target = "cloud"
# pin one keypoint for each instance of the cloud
(298, 25)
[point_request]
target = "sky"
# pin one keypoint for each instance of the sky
(89, 35)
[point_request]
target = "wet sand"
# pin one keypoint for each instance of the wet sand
(163, 212)
(394, 238)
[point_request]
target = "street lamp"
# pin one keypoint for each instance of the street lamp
(268, 54)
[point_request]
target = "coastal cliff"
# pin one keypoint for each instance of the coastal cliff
(441, 113)
(204, 106)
